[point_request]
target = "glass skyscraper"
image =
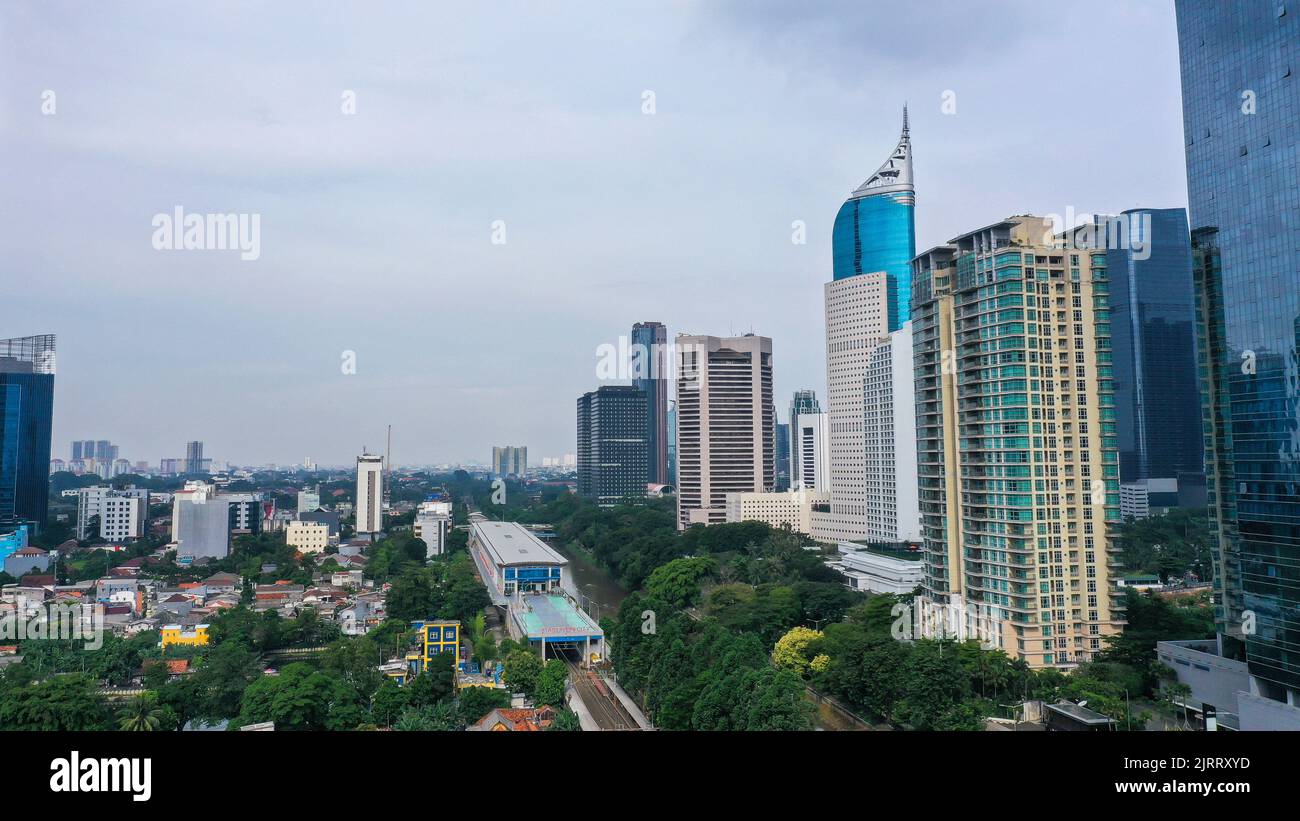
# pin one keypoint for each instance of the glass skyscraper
(875, 229)
(26, 417)
(650, 376)
(1241, 106)
(1153, 347)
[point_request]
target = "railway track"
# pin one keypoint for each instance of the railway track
(603, 705)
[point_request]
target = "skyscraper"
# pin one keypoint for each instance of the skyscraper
(672, 442)
(873, 242)
(726, 423)
(1153, 347)
(509, 461)
(1018, 463)
(809, 435)
(612, 453)
(194, 462)
(875, 229)
(893, 512)
(650, 376)
(370, 493)
(782, 456)
(1241, 103)
(26, 416)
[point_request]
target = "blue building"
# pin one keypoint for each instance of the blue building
(26, 416)
(1153, 347)
(1241, 105)
(650, 376)
(875, 229)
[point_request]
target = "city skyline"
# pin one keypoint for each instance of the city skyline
(422, 150)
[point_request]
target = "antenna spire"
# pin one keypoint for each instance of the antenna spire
(904, 119)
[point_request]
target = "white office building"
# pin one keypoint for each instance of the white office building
(432, 524)
(200, 522)
(308, 500)
(893, 506)
(809, 436)
(370, 493)
(875, 573)
(791, 508)
(857, 319)
(122, 514)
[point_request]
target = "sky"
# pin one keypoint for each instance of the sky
(641, 161)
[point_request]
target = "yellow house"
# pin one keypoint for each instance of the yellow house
(196, 636)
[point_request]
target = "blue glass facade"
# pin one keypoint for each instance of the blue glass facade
(1153, 347)
(26, 417)
(878, 233)
(1241, 106)
(649, 341)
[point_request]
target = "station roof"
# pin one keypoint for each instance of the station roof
(553, 616)
(510, 544)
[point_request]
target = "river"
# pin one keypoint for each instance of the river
(599, 594)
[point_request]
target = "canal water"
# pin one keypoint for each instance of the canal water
(599, 594)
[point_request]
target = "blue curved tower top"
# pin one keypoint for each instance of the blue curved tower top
(875, 229)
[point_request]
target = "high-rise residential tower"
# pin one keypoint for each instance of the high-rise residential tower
(650, 376)
(509, 461)
(194, 457)
(726, 423)
(370, 493)
(612, 436)
(1241, 104)
(26, 417)
(809, 436)
(874, 239)
(1018, 462)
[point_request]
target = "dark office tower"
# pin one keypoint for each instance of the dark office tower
(672, 442)
(1153, 347)
(782, 456)
(193, 457)
(1241, 104)
(612, 454)
(26, 415)
(76, 450)
(650, 376)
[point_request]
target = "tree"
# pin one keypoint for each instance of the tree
(678, 581)
(565, 721)
(390, 700)
(550, 683)
(435, 718)
(435, 685)
(142, 714)
(476, 702)
(522, 669)
(791, 652)
(62, 703)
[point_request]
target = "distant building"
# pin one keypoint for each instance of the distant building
(176, 634)
(809, 438)
(308, 537)
(792, 508)
(874, 572)
(612, 452)
(893, 506)
(328, 517)
(203, 520)
(726, 423)
(782, 457)
(27, 367)
(370, 493)
(672, 442)
(650, 376)
(432, 525)
(510, 460)
(194, 461)
(121, 514)
(308, 500)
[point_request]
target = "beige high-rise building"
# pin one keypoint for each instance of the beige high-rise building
(1018, 460)
(370, 493)
(857, 319)
(726, 423)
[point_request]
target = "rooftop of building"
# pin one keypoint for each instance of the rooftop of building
(510, 543)
(552, 616)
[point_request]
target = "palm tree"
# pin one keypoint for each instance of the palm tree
(140, 715)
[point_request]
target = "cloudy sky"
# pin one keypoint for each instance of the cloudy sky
(377, 227)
